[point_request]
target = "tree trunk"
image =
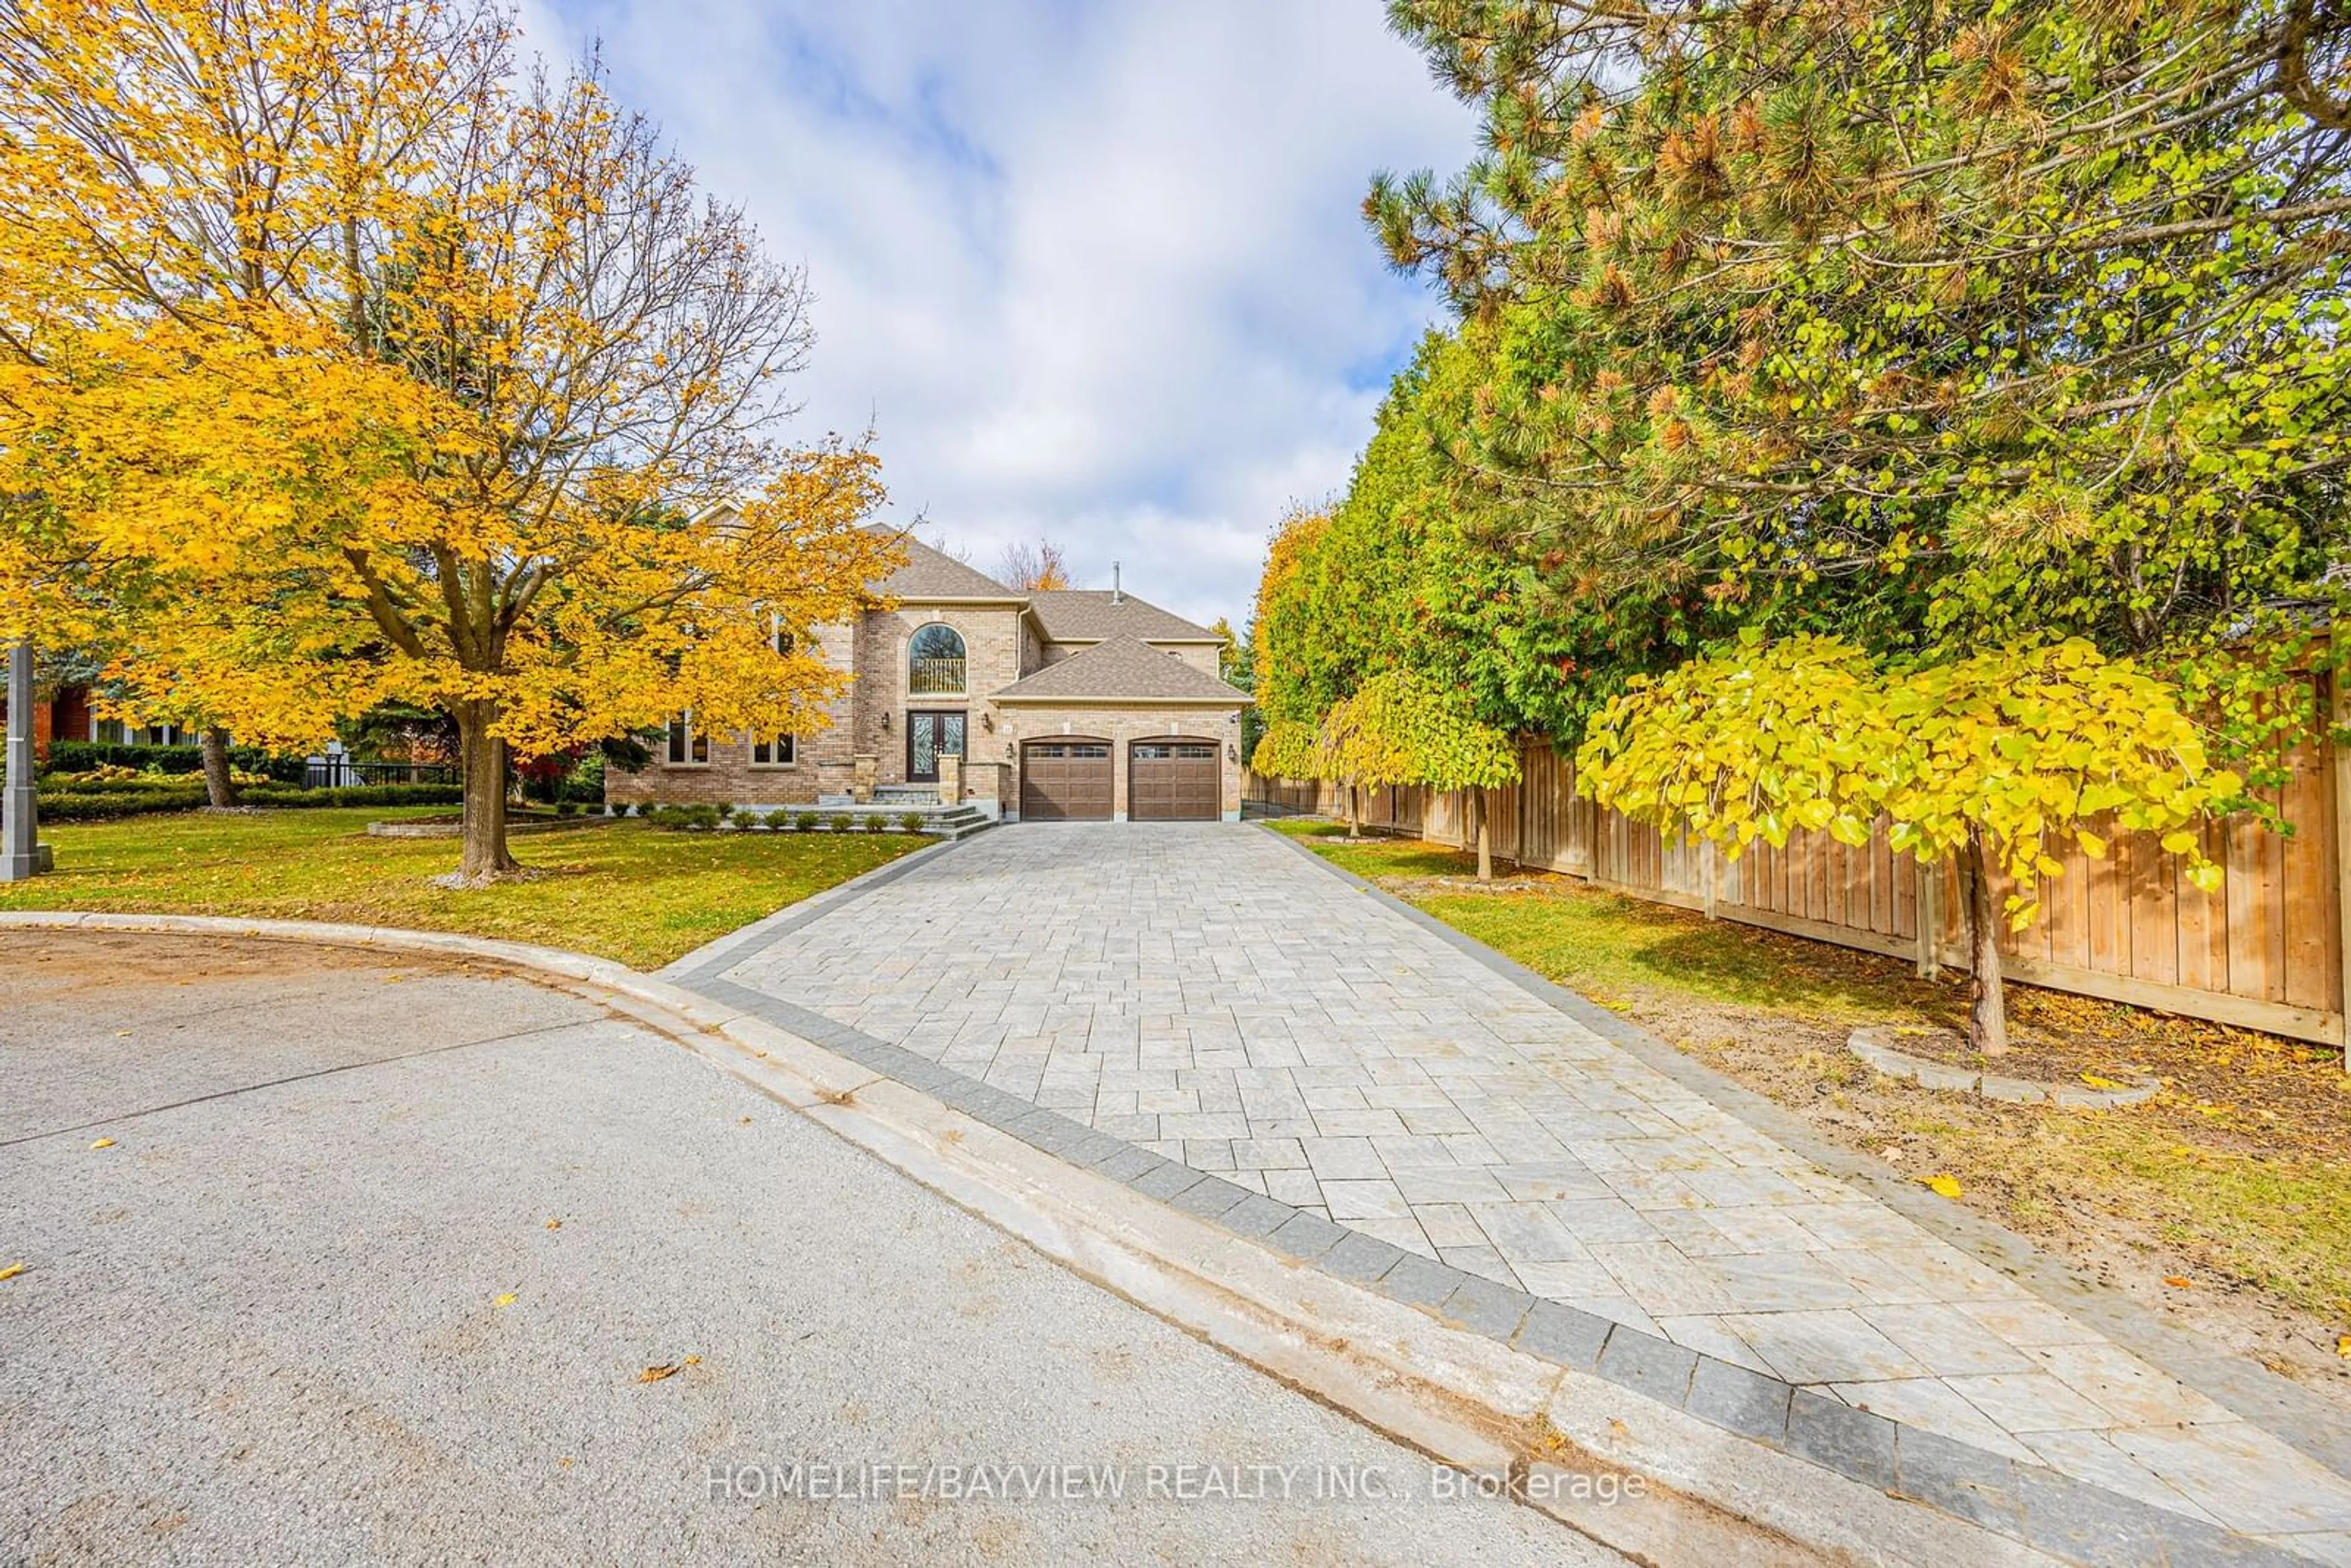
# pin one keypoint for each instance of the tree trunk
(1988, 1001)
(220, 789)
(1485, 845)
(1354, 812)
(482, 758)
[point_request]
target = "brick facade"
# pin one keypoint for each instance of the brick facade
(1003, 642)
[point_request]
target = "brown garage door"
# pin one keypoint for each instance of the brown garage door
(1174, 781)
(1065, 781)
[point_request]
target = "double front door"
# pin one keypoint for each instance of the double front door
(929, 737)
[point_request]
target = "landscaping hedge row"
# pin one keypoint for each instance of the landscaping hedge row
(97, 805)
(92, 806)
(707, 819)
(81, 755)
(358, 795)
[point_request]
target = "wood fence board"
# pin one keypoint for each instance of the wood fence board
(2265, 952)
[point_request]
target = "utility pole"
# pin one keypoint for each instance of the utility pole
(22, 854)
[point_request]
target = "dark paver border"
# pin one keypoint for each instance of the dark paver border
(2070, 1519)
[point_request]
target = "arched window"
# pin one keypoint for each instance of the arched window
(934, 661)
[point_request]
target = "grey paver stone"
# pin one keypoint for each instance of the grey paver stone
(1959, 1478)
(1491, 1309)
(1566, 1335)
(1849, 1441)
(1256, 1215)
(1361, 1259)
(1166, 1180)
(1745, 1402)
(1211, 1197)
(1420, 1282)
(1306, 1237)
(1649, 1364)
(1126, 1161)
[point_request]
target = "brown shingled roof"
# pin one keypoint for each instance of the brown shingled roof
(1123, 669)
(1085, 614)
(933, 574)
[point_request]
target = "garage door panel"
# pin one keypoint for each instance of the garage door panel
(1065, 780)
(1178, 779)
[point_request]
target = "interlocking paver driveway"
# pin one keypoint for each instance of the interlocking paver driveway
(1208, 992)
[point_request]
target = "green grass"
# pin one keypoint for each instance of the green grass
(626, 891)
(1615, 949)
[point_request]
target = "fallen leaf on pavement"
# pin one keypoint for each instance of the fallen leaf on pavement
(655, 1373)
(1943, 1186)
(2095, 1082)
(555, 1225)
(12, 1271)
(2342, 1342)
(103, 1143)
(506, 1301)
(2178, 1282)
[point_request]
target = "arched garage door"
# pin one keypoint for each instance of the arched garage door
(1177, 779)
(1067, 779)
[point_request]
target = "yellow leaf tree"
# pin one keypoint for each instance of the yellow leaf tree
(1982, 762)
(344, 363)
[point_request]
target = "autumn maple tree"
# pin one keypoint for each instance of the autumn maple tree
(347, 362)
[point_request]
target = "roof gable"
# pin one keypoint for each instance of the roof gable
(1123, 669)
(933, 574)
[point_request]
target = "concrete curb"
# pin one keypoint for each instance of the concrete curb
(1432, 1373)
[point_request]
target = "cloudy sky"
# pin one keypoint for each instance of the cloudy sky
(1093, 273)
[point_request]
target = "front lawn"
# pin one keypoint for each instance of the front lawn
(627, 891)
(2224, 1202)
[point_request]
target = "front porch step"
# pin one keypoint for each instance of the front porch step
(959, 822)
(905, 795)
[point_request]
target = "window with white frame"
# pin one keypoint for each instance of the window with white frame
(688, 746)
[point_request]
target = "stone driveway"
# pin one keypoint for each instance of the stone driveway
(1212, 994)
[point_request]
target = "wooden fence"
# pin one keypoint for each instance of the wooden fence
(2265, 951)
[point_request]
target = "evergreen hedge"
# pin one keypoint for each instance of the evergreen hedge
(102, 805)
(81, 755)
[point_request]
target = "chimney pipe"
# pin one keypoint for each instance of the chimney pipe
(1115, 597)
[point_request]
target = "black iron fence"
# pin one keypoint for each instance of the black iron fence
(348, 772)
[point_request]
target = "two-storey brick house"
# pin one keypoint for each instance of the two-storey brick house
(1060, 704)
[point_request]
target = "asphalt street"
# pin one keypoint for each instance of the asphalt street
(407, 1261)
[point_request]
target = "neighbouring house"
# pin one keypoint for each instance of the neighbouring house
(61, 715)
(1061, 705)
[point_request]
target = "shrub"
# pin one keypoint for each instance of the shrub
(116, 799)
(722, 813)
(567, 808)
(877, 823)
(809, 822)
(910, 822)
(83, 756)
(96, 806)
(279, 795)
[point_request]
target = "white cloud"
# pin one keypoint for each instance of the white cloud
(1094, 274)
